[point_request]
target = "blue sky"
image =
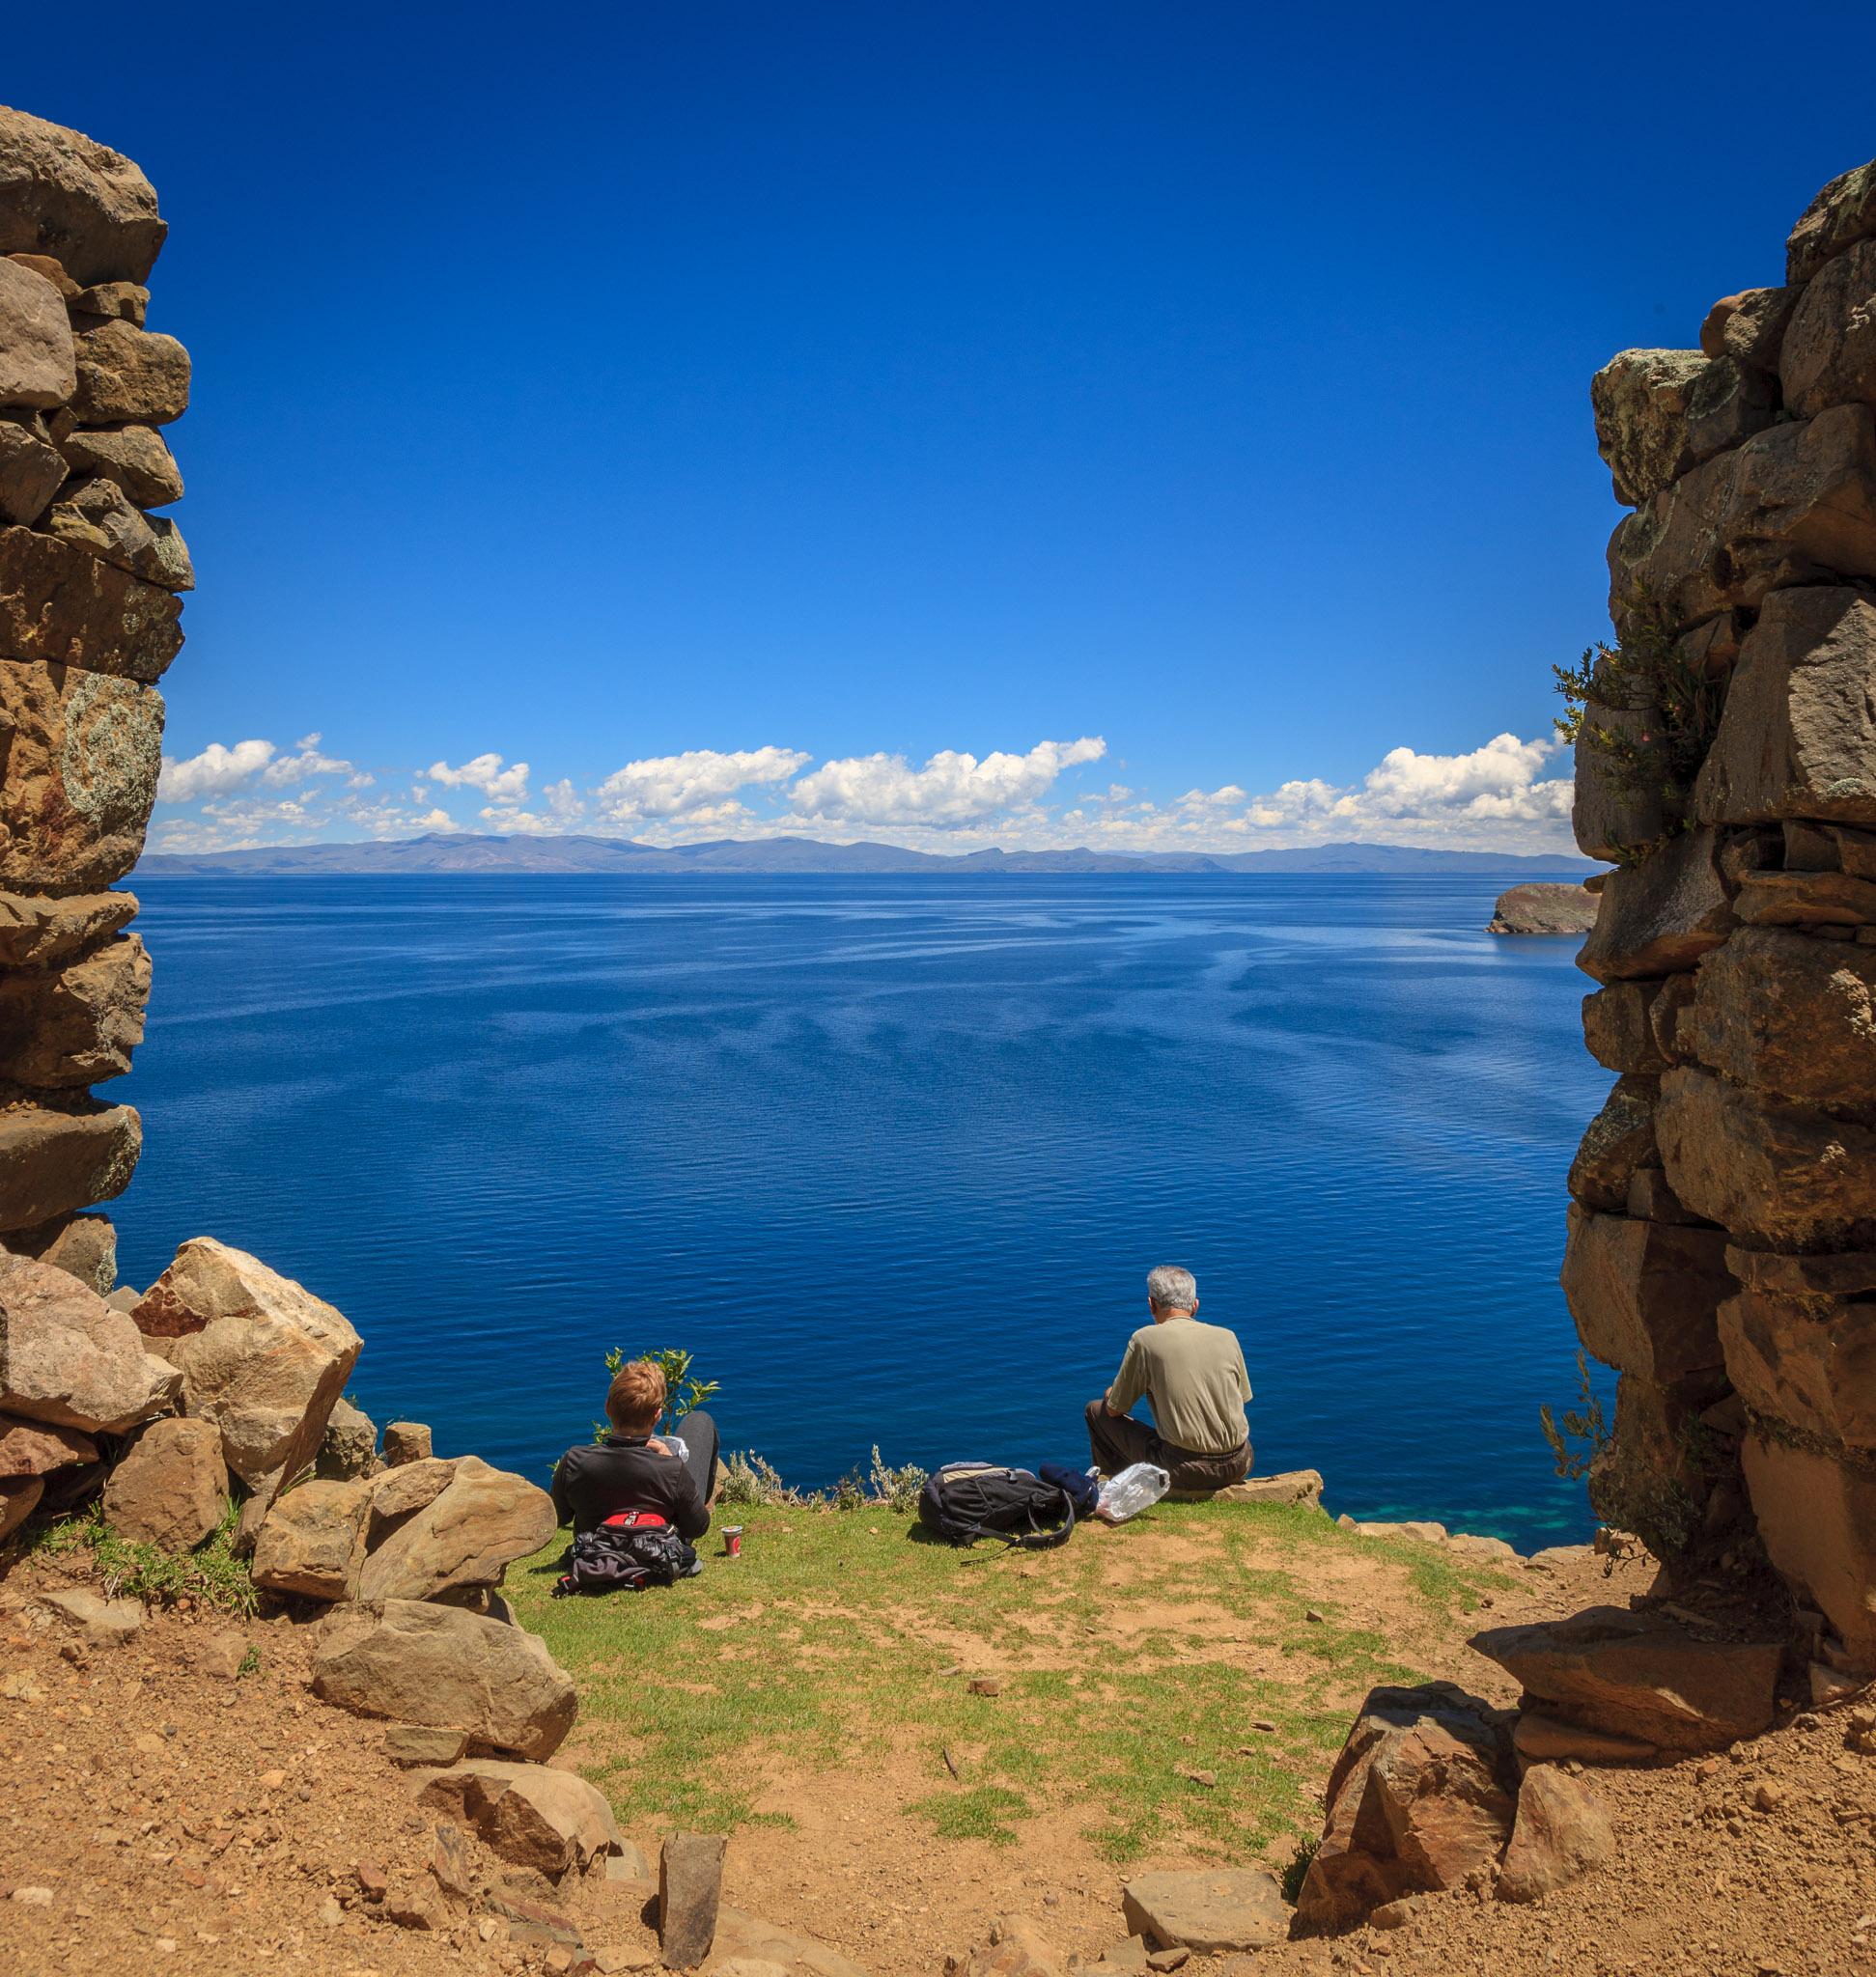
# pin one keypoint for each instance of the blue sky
(951, 425)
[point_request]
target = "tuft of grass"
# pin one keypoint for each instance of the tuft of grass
(975, 1814)
(210, 1573)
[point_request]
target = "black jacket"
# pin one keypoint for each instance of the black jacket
(595, 1479)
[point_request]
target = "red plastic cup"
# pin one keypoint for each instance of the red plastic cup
(732, 1540)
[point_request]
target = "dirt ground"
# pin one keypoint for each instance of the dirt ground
(194, 1819)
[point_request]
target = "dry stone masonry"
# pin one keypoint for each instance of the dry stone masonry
(1721, 1248)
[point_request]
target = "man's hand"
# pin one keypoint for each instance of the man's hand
(661, 1447)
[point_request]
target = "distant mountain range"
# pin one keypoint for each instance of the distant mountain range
(466, 852)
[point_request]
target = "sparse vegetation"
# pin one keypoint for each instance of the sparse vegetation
(682, 1392)
(1584, 1426)
(211, 1573)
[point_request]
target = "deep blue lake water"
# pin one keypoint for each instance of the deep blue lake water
(892, 1157)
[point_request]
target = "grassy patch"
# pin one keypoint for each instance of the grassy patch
(977, 1814)
(211, 1573)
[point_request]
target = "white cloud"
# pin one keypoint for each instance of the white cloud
(696, 781)
(952, 789)
(214, 772)
(485, 773)
(1498, 784)
(309, 763)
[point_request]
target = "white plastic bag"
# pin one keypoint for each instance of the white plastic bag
(1130, 1492)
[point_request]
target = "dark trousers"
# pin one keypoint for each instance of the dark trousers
(698, 1433)
(1116, 1440)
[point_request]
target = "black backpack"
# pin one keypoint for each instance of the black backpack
(632, 1549)
(964, 1501)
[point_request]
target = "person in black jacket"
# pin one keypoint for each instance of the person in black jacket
(635, 1470)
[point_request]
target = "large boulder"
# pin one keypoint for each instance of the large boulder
(1420, 1795)
(1216, 1910)
(1661, 412)
(1804, 1362)
(1809, 900)
(1817, 1516)
(312, 1540)
(60, 605)
(1777, 1174)
(134, 457)
(31, 467)
(85, 204)
(36, 933)
(36, 355)
(1618, 1031)
(1640, 1677)
(128, 375)
(349, 1448)
(1659, 916)
(260, 1355)
(66, 1357)
(1562, 1833)
(1643, 1293)
(98, 516)
(19, 1498)
(81, 775)
(54, 1160)
(552, 1822)
(418, 1662)
(1749, 327)
(1619, 1140)
(1788, 1013)
(1843, 213)
(464, 1535)
(1829, 355)
(1794, 505)
(74, 1025)
(1797, 734)
(32, 1448)
(168, 1490)
(83, 1246)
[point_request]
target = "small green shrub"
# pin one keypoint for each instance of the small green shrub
(210, 1573)
(896, 1489)
(1297, 1870)
(682, 1393)
(749, 1483)
(1585, 1426)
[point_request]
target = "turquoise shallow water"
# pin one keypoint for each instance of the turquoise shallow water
(892, 1157)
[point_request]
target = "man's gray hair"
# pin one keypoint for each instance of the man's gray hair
(1172, 1289)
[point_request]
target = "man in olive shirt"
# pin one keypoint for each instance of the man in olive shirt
(1193, 1375)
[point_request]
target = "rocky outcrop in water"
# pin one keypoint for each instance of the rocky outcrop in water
(90, 578)
(1721, 1250)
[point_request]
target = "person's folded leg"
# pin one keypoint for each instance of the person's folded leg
(1117, 1440)
(698, 1433)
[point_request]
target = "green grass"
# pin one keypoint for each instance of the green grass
(211, 1573)
(839, 1637)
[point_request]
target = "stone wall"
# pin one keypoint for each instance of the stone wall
(1722, 1249)
(90, 580)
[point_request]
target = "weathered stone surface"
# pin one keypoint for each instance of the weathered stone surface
(1804, 899)
(417, 1662)
(689, 1888)
(549, 1821)
(38, 933)
(260, 1355)
(1609, 822)
(19, 1498)
(128, 375)
(748, 1936)
(1633, 1675)
(1843, 212)
(1540, 1738)
(1617, 1030)
(83, 202)
(68, 1359)
(1780, 1174)
(128, 299)
(54, 1162)
(35, 349)
(1660, 916)
(76, 1024)
(1440, 1787)
(134, 457)
(1841, 1275)
(1794, 505)
(1749, 327)
(313, 1541)
(1015, 1948)
(1412, 1733)
(1661, 412)
(34, 1448)
(396, 1492)
(406, 1442)
(419, 1743)
(1644, 1295)
(465, 1537)
(349, 1448)
(106, 1623)
(1292, 1486)
(83, 1246)
(1209, 1912)
(167, 1491)
(96, 515)
(1620, 1139)
(1789, 1014)
(1652, 1200)
(1817, 1520)
(1543, 908)
(1828, 356)
(1665, 1017)
(1562, 1833)
(81, 776)
(63, 606)
(31, 469)
(1804, 1362)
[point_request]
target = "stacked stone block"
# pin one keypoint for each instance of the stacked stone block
(90, 584)
(1722, 1251)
